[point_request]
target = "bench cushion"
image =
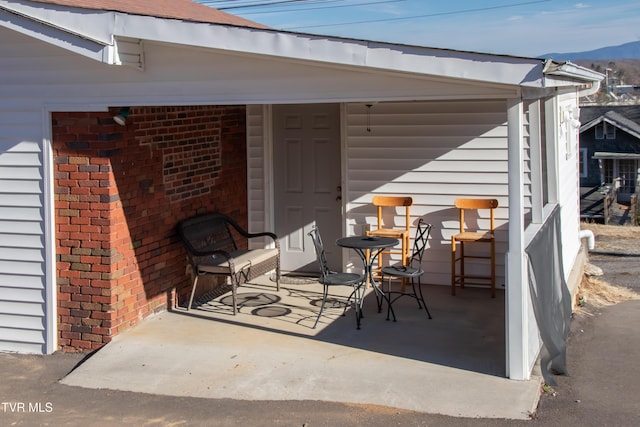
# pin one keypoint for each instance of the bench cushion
(243, 259)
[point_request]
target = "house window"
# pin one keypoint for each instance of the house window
(605, 130)
(584, 162)
(607, 171)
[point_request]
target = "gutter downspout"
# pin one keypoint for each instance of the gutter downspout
(591, 240)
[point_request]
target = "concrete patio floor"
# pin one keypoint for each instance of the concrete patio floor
(453, 364)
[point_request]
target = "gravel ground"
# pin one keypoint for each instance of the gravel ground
(617, 248)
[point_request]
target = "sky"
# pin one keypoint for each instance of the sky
(511, 27)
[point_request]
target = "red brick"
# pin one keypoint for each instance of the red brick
(120, 204)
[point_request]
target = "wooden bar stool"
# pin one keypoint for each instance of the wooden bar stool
(465, 236)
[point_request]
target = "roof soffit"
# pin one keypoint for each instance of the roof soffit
(473, 67)
(49, 33)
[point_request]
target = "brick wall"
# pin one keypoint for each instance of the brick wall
(119, 192)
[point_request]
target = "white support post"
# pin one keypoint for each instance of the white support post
(516, 287)
(51, 294)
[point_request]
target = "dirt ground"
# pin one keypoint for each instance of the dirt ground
(614, 239)
(619, 248)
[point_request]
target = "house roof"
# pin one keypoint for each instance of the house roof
(591, 112)
(177, 9)
(103, 29)
(614, 118)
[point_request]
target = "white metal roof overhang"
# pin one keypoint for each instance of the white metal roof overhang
(112, 37)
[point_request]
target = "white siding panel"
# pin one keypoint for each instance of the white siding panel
(30, 200)
(568, 193)
(257, 191)
(17, 186)
(14, 267)
(11, 145)
(21, 322)
(21, 213)
(19, 159)
(19, 281)
(22, 295)
(14, 334)
(433, 152)
(20, 227)
(21, 308)
(527, 190)
(19, 254)
(22, 254)
(21, 347)
(21, 173)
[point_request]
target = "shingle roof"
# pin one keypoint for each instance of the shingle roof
(588, 113)
(618, 117)
(176, 9)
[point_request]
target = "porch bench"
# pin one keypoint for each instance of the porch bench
(212, 249)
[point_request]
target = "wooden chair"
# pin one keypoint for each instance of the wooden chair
(403, 234)
(465, 236)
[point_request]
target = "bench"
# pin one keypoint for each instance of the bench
(212, 249)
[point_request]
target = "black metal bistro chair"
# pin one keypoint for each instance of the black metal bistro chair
(330, 278)
(411, 271)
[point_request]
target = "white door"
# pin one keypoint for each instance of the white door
(306, 158)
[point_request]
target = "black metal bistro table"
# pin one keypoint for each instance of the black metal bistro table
(368, 249)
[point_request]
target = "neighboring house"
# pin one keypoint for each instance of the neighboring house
(610, 147)
(280, 130)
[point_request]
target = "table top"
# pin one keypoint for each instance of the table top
(367, 242)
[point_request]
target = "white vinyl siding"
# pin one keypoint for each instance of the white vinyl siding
(24, 308)
(569, 187)
(22, 248)
(433, 152)
(257, 191)
(527, 167)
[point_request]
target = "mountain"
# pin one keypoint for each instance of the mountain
(629, 50)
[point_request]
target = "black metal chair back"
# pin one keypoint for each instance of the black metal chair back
(413, 270)
(331, 278)
(423, 231)
(320, 255)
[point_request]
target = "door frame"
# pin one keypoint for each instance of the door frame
(617, 171)
(269, 172)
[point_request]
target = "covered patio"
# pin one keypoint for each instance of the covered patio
(453, 364)
(218, 111)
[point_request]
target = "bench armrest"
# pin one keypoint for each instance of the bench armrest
(248, 235)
